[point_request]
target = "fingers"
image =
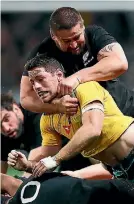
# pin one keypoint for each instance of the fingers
(42, 171)
(70, 100)
(71, 111)
(64, 89)
(38, 169)
(12, 158)
(11, 162)
(14, 153)
(74, 101)
(21, 155)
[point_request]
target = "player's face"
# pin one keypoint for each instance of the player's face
(72, 40)
(11, 124)
(44, 84)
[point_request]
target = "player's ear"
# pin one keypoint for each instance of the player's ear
(52, 35)
(59, 74)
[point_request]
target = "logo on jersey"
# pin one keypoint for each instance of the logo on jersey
(24, 198)
(85, 57)
(67, 128)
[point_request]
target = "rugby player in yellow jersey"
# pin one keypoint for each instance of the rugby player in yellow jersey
(98, 130)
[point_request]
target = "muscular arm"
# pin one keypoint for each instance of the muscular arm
(39, 153)
(4, 167)
(90, 130)
(30, 101)
(43, 151)
(112, 63)
(9, 184)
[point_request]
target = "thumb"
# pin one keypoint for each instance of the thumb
(21, 155)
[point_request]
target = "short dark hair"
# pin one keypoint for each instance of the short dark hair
(64, 18)
(48, 63)
(7, 101)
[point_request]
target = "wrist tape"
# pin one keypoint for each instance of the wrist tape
(49, 162)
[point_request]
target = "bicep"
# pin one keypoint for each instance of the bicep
(112, 49)
(93, 114)
(26, 88)
(28, 98)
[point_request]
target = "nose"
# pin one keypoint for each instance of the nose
(73, 44)
(37, 85)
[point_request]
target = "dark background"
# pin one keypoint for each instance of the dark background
(21, 31)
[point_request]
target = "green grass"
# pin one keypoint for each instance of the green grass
(12, 172)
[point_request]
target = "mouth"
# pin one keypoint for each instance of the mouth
(75, 50)
(43, 94)
(12, 134)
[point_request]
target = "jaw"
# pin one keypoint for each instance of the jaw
(49, 99)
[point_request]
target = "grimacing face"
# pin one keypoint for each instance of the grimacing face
(11, 124)
(45, 84)
(72, 40)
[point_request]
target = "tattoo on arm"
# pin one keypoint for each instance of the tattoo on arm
(104, 51)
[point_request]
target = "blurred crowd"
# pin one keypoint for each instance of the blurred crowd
(22, 31)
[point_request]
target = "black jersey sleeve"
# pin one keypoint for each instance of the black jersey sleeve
(98, 38)
(31, 55)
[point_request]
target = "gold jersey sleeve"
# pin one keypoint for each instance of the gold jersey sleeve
(89, 92)
(49, 136)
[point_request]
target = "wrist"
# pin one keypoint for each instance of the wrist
(57, 104)
(49, 162)
(29, 166)
(78, 80)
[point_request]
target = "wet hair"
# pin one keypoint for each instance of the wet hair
(48, 63)
(64, 18)
(7, 101)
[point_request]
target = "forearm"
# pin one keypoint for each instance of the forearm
(96, 171)
(29, 166)
(34, 104)
(82, 139)
(106, 69)
(41, 152)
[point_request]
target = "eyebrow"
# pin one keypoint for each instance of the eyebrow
(75, 36)
(4, 118)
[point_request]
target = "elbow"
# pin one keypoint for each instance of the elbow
(22, 102)
(97, 132)
(122, 65)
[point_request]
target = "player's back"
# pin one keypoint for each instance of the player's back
(52, 188)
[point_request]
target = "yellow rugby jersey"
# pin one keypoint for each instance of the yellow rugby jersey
(53, 127)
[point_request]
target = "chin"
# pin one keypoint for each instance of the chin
(47, 100)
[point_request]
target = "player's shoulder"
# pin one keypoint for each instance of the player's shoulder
(43, 47)
(93, 29)
(29, 116)
(88, 86)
